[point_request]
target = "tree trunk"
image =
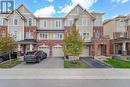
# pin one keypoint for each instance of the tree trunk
(10, 57)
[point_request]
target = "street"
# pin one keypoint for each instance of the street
(65, 83)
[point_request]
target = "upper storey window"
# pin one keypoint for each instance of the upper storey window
(129, 22)
(58, 23)
(97, 22)
(1, 21)
(45, 23)
(30, 21)
(120, 24)
(15, 21)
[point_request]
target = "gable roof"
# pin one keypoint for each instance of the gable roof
(84, 10)
(21, 15)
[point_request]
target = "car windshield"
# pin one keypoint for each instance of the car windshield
(30, 53)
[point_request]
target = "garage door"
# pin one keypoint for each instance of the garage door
(44, 48)
(85, 52)
(57, 51)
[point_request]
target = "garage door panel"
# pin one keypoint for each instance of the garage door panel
(85, 52)
(57, 52)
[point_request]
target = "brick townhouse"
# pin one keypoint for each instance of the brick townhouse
(47, 33)
(118, 30)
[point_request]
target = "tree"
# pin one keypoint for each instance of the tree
(7, 44)
(73, 42)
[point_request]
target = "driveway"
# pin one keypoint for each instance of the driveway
(92, 63)
(46, 63)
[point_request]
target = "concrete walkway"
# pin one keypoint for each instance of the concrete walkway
(46, 63)
(93, 63)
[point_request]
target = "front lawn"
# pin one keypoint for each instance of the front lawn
(116, 63)
(74, 64)
(8, 64)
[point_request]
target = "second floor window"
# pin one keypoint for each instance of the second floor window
(30, 22)
(29, 35)
(97, 34)
(43, 36)
(59, 36)
(15, 21)
(45, 23)
(1, 21)
(129, 22)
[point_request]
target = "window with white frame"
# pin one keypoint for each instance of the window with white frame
(43, 35)
(97, 34)
(129, 22)
(69, 22)
(120, 24)
(1, 21)
(16, 35)
(59, 36)
(84, 22)
(15, 21)
(30, 21)
(45, 23)
(29, 35)
(97, 22)
(85, 35)
(58, 23)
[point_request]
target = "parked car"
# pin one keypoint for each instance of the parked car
(5, 57)
(35, 56)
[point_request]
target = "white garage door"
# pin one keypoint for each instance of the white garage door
(85, 52)
(57, 51)
(44, 48)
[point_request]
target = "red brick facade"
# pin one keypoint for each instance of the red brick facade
(100, 41)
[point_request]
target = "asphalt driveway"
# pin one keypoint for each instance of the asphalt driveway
(92, 63)
(46, 63)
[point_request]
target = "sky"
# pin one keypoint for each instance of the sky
(59, 8)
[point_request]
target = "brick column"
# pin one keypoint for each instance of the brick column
(124, 49)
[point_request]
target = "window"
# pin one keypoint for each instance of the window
(129, 22)
(120, 24)
(97, 35)
(29, 35)
(84, 21)
(97, 22)
(1, 21)
(45, 23)
(59, 36)
(85, 35)
(43, 36)
(16, 35)
(30, 22)
(58, 23)
(15, 21)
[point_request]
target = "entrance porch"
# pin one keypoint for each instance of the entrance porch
(25, 46)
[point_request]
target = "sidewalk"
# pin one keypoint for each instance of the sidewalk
(64, 74)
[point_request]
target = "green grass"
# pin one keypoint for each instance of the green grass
(116, 63)
(8, 64)
(71, 64)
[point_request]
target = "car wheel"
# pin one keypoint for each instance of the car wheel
(1, 60)
(38, 60)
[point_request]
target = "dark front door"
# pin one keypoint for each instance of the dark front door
(103, 50)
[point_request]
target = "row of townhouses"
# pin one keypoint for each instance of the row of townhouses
(47, 33)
